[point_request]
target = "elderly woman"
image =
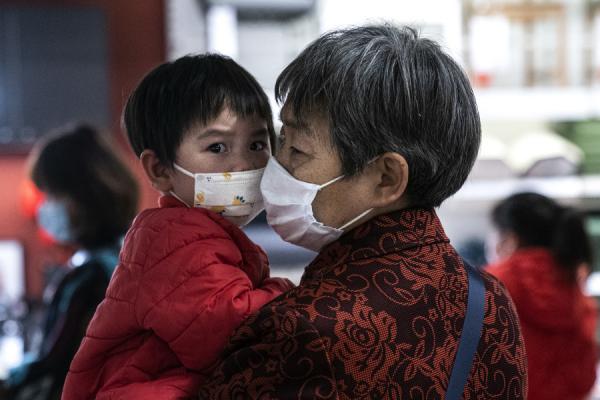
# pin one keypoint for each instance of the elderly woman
(379, 127)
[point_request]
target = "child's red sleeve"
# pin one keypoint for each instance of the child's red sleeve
(203, 308)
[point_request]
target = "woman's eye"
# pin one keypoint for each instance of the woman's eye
(217, 148)
(281, 143)
(258, 146)
(295, 151)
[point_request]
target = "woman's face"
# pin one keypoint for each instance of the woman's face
(55, 217)
(307, 153)
(500, 245)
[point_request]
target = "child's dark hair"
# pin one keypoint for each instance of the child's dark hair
(192, 89)
(539, 221)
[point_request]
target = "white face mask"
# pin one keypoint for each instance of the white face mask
(288, 202)
(234, 195)
(53, 217)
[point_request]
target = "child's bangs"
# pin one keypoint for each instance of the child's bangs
(246, 100)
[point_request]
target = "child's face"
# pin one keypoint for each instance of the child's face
(227, 144)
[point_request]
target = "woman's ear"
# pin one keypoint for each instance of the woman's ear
(159, 174)
(391, 175)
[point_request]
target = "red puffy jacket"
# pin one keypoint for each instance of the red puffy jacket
(558, 323)
(186, 279)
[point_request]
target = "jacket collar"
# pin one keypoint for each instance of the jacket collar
(167, 201)
(382, 236)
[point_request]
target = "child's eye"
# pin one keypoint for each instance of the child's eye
(217, 148)
(258, 146)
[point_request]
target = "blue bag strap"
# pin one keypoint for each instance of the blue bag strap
(470, 336)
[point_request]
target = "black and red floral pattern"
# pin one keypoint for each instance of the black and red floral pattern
(378, 315)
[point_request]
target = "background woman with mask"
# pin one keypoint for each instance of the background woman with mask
(90, 201)
(544, 251)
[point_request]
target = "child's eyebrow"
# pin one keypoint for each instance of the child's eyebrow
(226, 132)
(214, 132)
(260, 132)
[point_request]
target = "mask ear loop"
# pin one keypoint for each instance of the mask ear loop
(353, 220)
(185, 172)
(172, 193)
(334, 180)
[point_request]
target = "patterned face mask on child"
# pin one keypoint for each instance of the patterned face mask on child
(234, 195)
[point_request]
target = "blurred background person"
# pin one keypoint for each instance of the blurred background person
(90, 201)
(543, 251)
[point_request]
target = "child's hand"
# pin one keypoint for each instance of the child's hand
(258, 270)
(280, 284)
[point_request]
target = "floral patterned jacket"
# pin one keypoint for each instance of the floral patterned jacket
(378, 315)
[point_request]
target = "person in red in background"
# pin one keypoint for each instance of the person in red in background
(188, 275)
(89, 199)
(543, 247)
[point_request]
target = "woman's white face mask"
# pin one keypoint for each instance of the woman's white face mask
(288, 202)
(234, 195)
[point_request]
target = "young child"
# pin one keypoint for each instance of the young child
(187, 274)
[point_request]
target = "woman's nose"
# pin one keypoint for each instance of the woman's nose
(281, 158)
(285, 162)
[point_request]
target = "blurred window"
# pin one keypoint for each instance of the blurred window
(12, 271)
(557, 166)
(521, 43)
(53, 70)
(491, 169)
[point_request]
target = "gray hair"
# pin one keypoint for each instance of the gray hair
(385, 89)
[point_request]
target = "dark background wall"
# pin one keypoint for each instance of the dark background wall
(135, 42)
